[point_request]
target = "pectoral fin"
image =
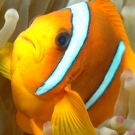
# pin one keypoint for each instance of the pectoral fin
(5, 60)
(35, 124)
(23, 122)
(70, 116)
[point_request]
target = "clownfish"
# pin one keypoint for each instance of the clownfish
(84, 48)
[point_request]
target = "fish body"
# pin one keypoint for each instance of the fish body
(83, 47)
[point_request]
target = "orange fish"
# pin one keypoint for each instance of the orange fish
(83, 47)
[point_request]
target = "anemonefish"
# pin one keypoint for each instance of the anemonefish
(83, 47)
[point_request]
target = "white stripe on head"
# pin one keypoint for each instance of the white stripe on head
(80, 26)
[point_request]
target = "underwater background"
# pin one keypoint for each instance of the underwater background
(28, 9)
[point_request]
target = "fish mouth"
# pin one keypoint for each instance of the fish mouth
(28, 41)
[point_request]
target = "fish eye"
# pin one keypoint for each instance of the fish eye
(62, 39)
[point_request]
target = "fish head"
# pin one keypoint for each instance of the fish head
(39, 56)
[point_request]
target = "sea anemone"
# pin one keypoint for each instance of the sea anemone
(11, 19)
(127, 10)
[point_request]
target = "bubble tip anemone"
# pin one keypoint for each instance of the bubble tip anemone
(11, 19)
(11, 14)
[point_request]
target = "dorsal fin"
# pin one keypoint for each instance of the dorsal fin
(5, 60)
(115, 18)
(119, 29)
